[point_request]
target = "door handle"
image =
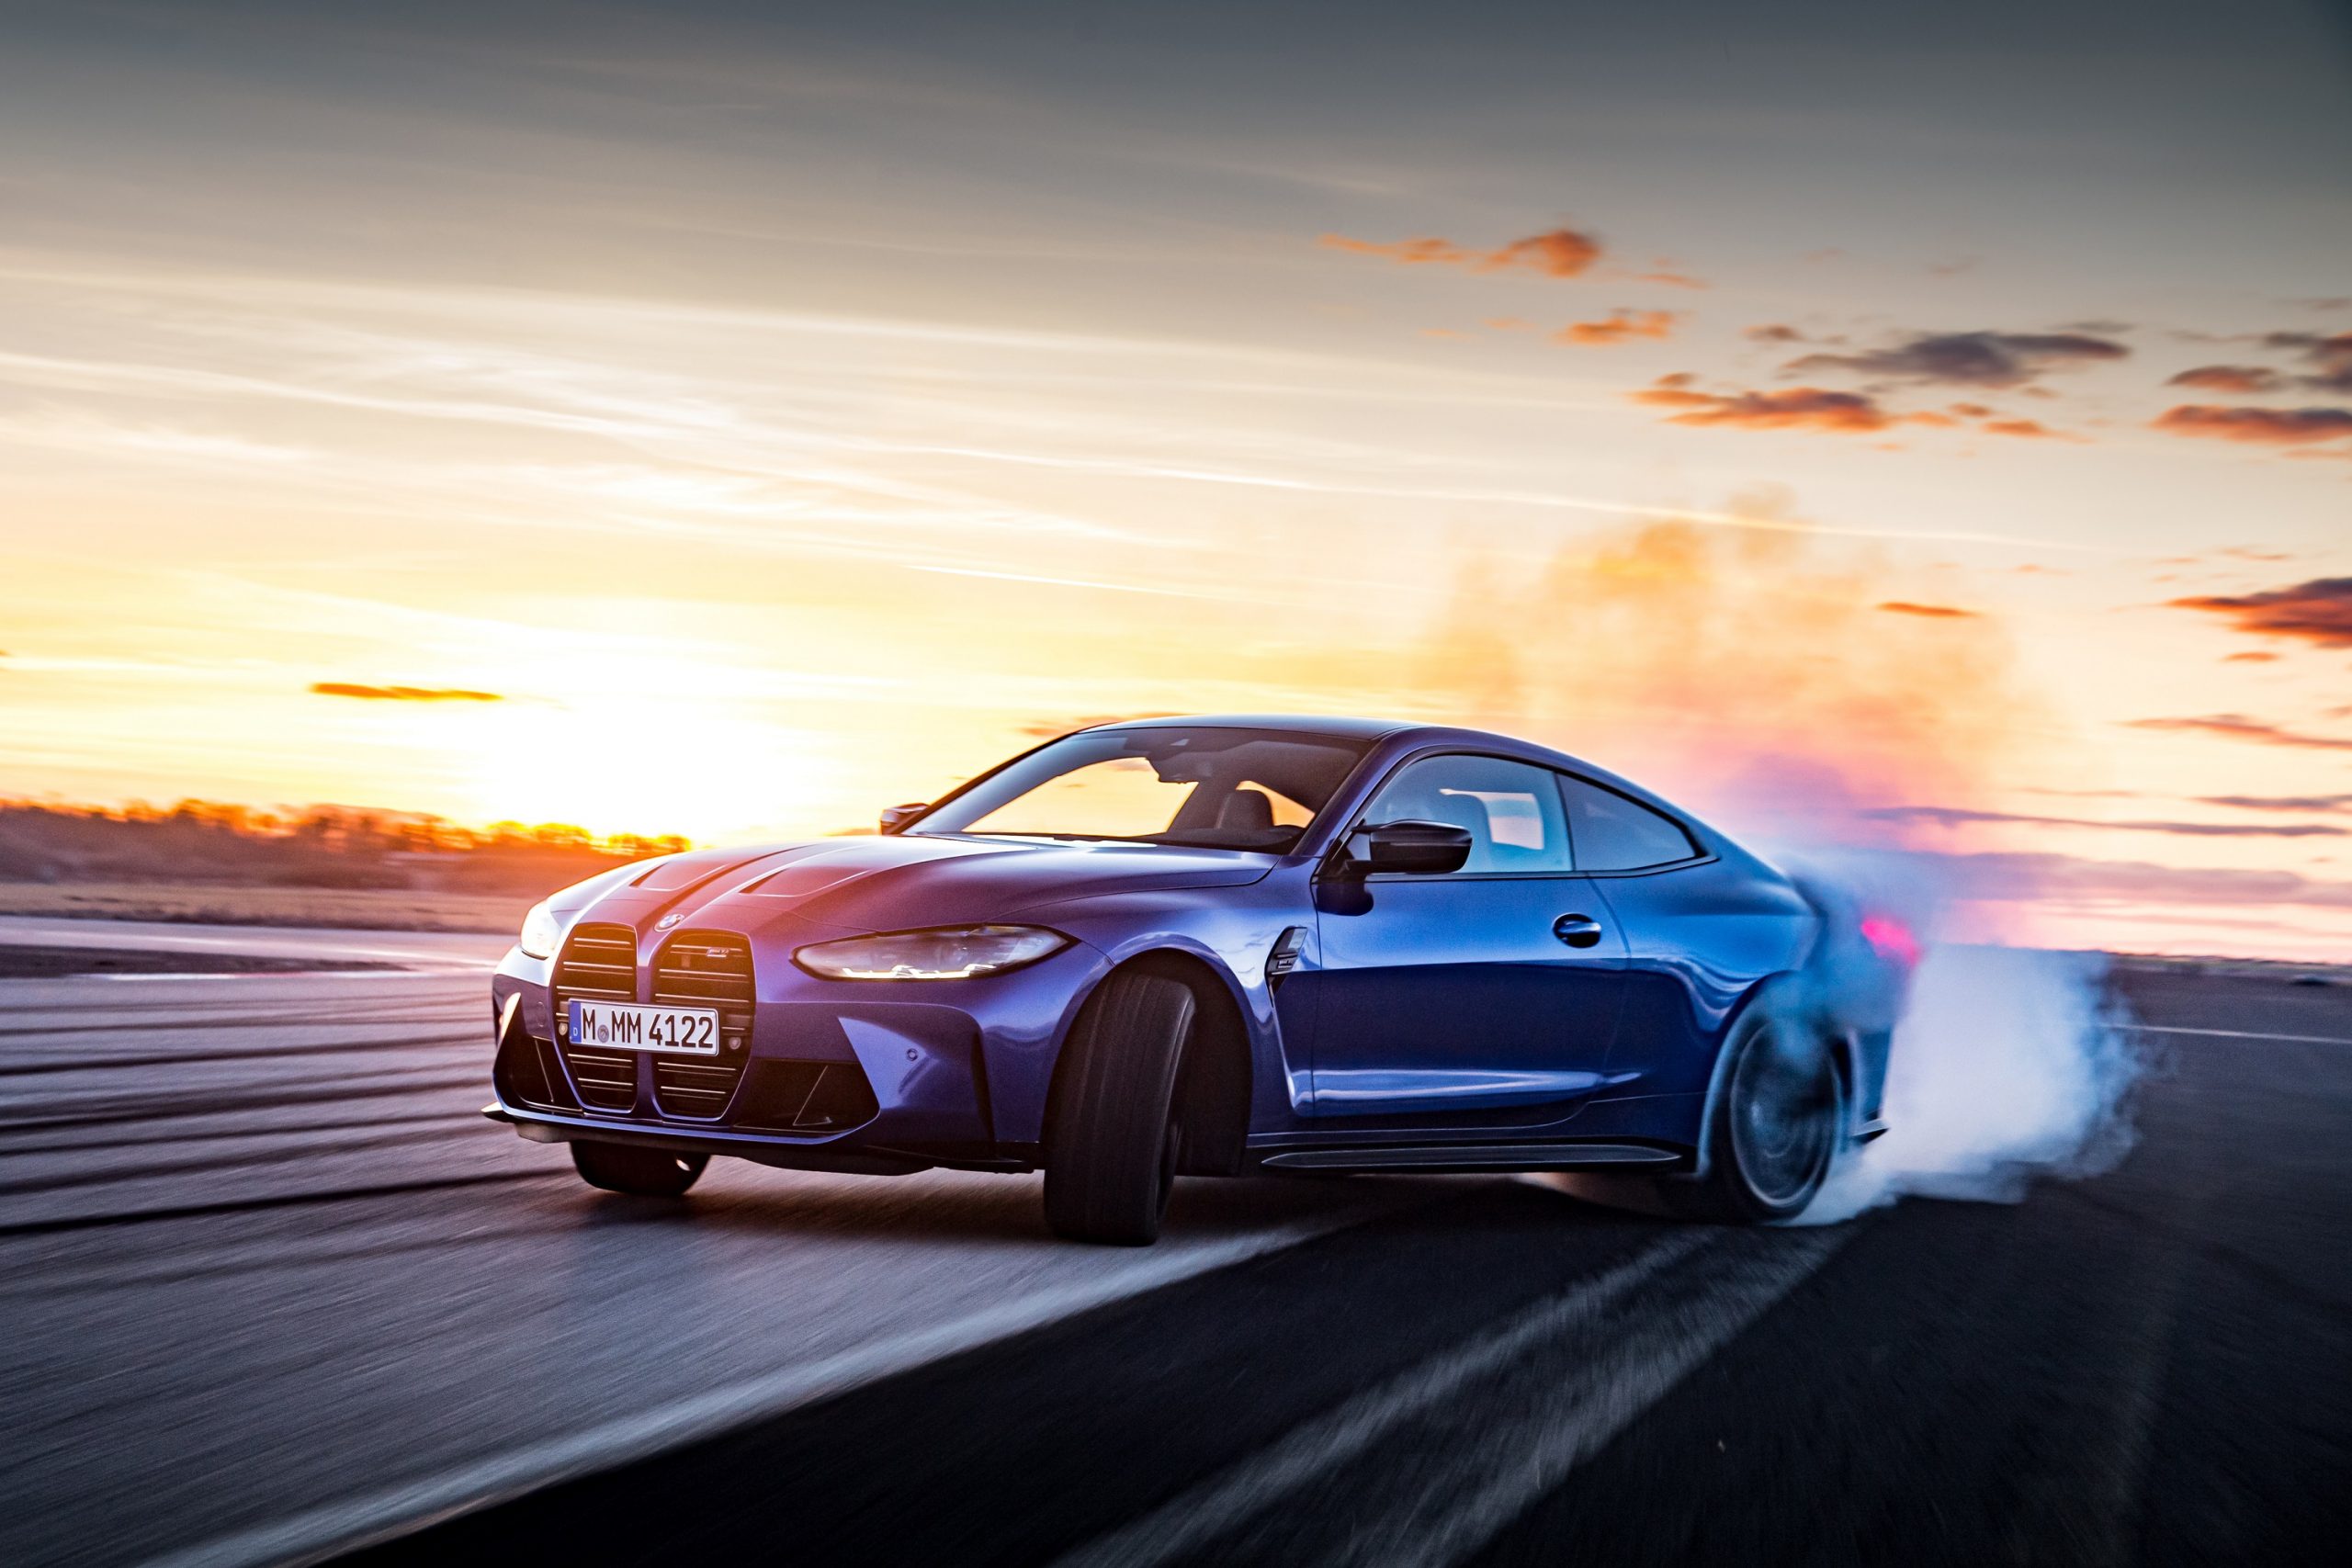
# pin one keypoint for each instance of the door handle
(1577, 931)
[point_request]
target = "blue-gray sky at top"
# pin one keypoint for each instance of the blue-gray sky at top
(2141, 143)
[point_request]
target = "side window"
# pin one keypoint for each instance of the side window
(1510, 809)
(1614, 833)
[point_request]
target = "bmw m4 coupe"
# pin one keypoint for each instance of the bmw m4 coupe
(1215, 946)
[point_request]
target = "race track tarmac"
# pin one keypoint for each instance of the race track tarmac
(271, 1290)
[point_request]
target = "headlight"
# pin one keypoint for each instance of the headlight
(542, 933)
(948, 952)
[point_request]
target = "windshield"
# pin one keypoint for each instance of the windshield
(1230, 789)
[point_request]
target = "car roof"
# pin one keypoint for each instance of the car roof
(1304, 724)
(1405, 735)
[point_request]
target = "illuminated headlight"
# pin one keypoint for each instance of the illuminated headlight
(948, 952)
(542, 933)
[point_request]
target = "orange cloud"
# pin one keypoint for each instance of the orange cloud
(2031, 429)
(403, 694)
(1620, 325)
(1558, 253)
(2239, 378)
(2251, 657)
(2273, 427)
(2318, 612)
(1934, 612)
(1793, 408)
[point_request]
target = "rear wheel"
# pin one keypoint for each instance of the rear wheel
(1110, 1134)
(627, 1168)
(1777, 1131)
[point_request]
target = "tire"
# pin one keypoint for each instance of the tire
(1779, 1130)
(1111, 1139)
(643, 1172)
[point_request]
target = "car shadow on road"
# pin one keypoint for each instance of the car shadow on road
(967, 1208)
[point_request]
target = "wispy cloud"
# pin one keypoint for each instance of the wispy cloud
(2130, 883)
(1791, 407)
(1557, 253)
(2280, 802)
(1953, 816)
(2238, 727)
(403, 694)
(1665, 273)
(1930, 611)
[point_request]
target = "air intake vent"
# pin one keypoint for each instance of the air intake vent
(806, 1097)
(599, 964)
(705, 969)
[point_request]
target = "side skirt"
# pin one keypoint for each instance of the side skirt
(1474, 1157)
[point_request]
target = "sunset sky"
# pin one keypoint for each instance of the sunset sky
(1926, 430)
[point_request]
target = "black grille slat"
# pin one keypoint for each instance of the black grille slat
(698, 968)
(689, 1088)
(598, 964)
(607, 1080)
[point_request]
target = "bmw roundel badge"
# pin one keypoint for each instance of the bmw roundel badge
(666, 921)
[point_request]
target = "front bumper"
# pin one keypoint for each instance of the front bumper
(875, 1077)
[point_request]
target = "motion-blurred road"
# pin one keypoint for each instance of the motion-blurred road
(270, 1289)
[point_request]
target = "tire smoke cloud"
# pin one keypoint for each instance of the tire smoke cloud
(2008, 1063)
(1757, 675)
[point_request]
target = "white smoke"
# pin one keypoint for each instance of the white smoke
(2008, 1063)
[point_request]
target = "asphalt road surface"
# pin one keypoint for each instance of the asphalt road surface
(271, 1291)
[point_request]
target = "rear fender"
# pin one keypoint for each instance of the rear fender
(1788, 995)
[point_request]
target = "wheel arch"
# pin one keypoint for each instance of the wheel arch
(1785, 989)
(1214, 1081)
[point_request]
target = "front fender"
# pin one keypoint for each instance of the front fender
(1229, 932)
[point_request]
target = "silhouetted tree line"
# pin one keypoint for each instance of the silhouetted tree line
(321, 846)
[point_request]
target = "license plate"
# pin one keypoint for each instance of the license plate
(623, 1026)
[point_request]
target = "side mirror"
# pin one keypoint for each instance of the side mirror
(1422, 849)
(896, 818)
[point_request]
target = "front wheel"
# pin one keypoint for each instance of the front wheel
(1778, 1129)
(1110, 1137)
(632, 1168)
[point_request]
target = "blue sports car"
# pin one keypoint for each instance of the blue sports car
(1216, 947)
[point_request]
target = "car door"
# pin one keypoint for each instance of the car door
(1492, 986)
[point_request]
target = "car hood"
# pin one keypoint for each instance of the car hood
(895, 882)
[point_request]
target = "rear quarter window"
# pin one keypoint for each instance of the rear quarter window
(1613, 832)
